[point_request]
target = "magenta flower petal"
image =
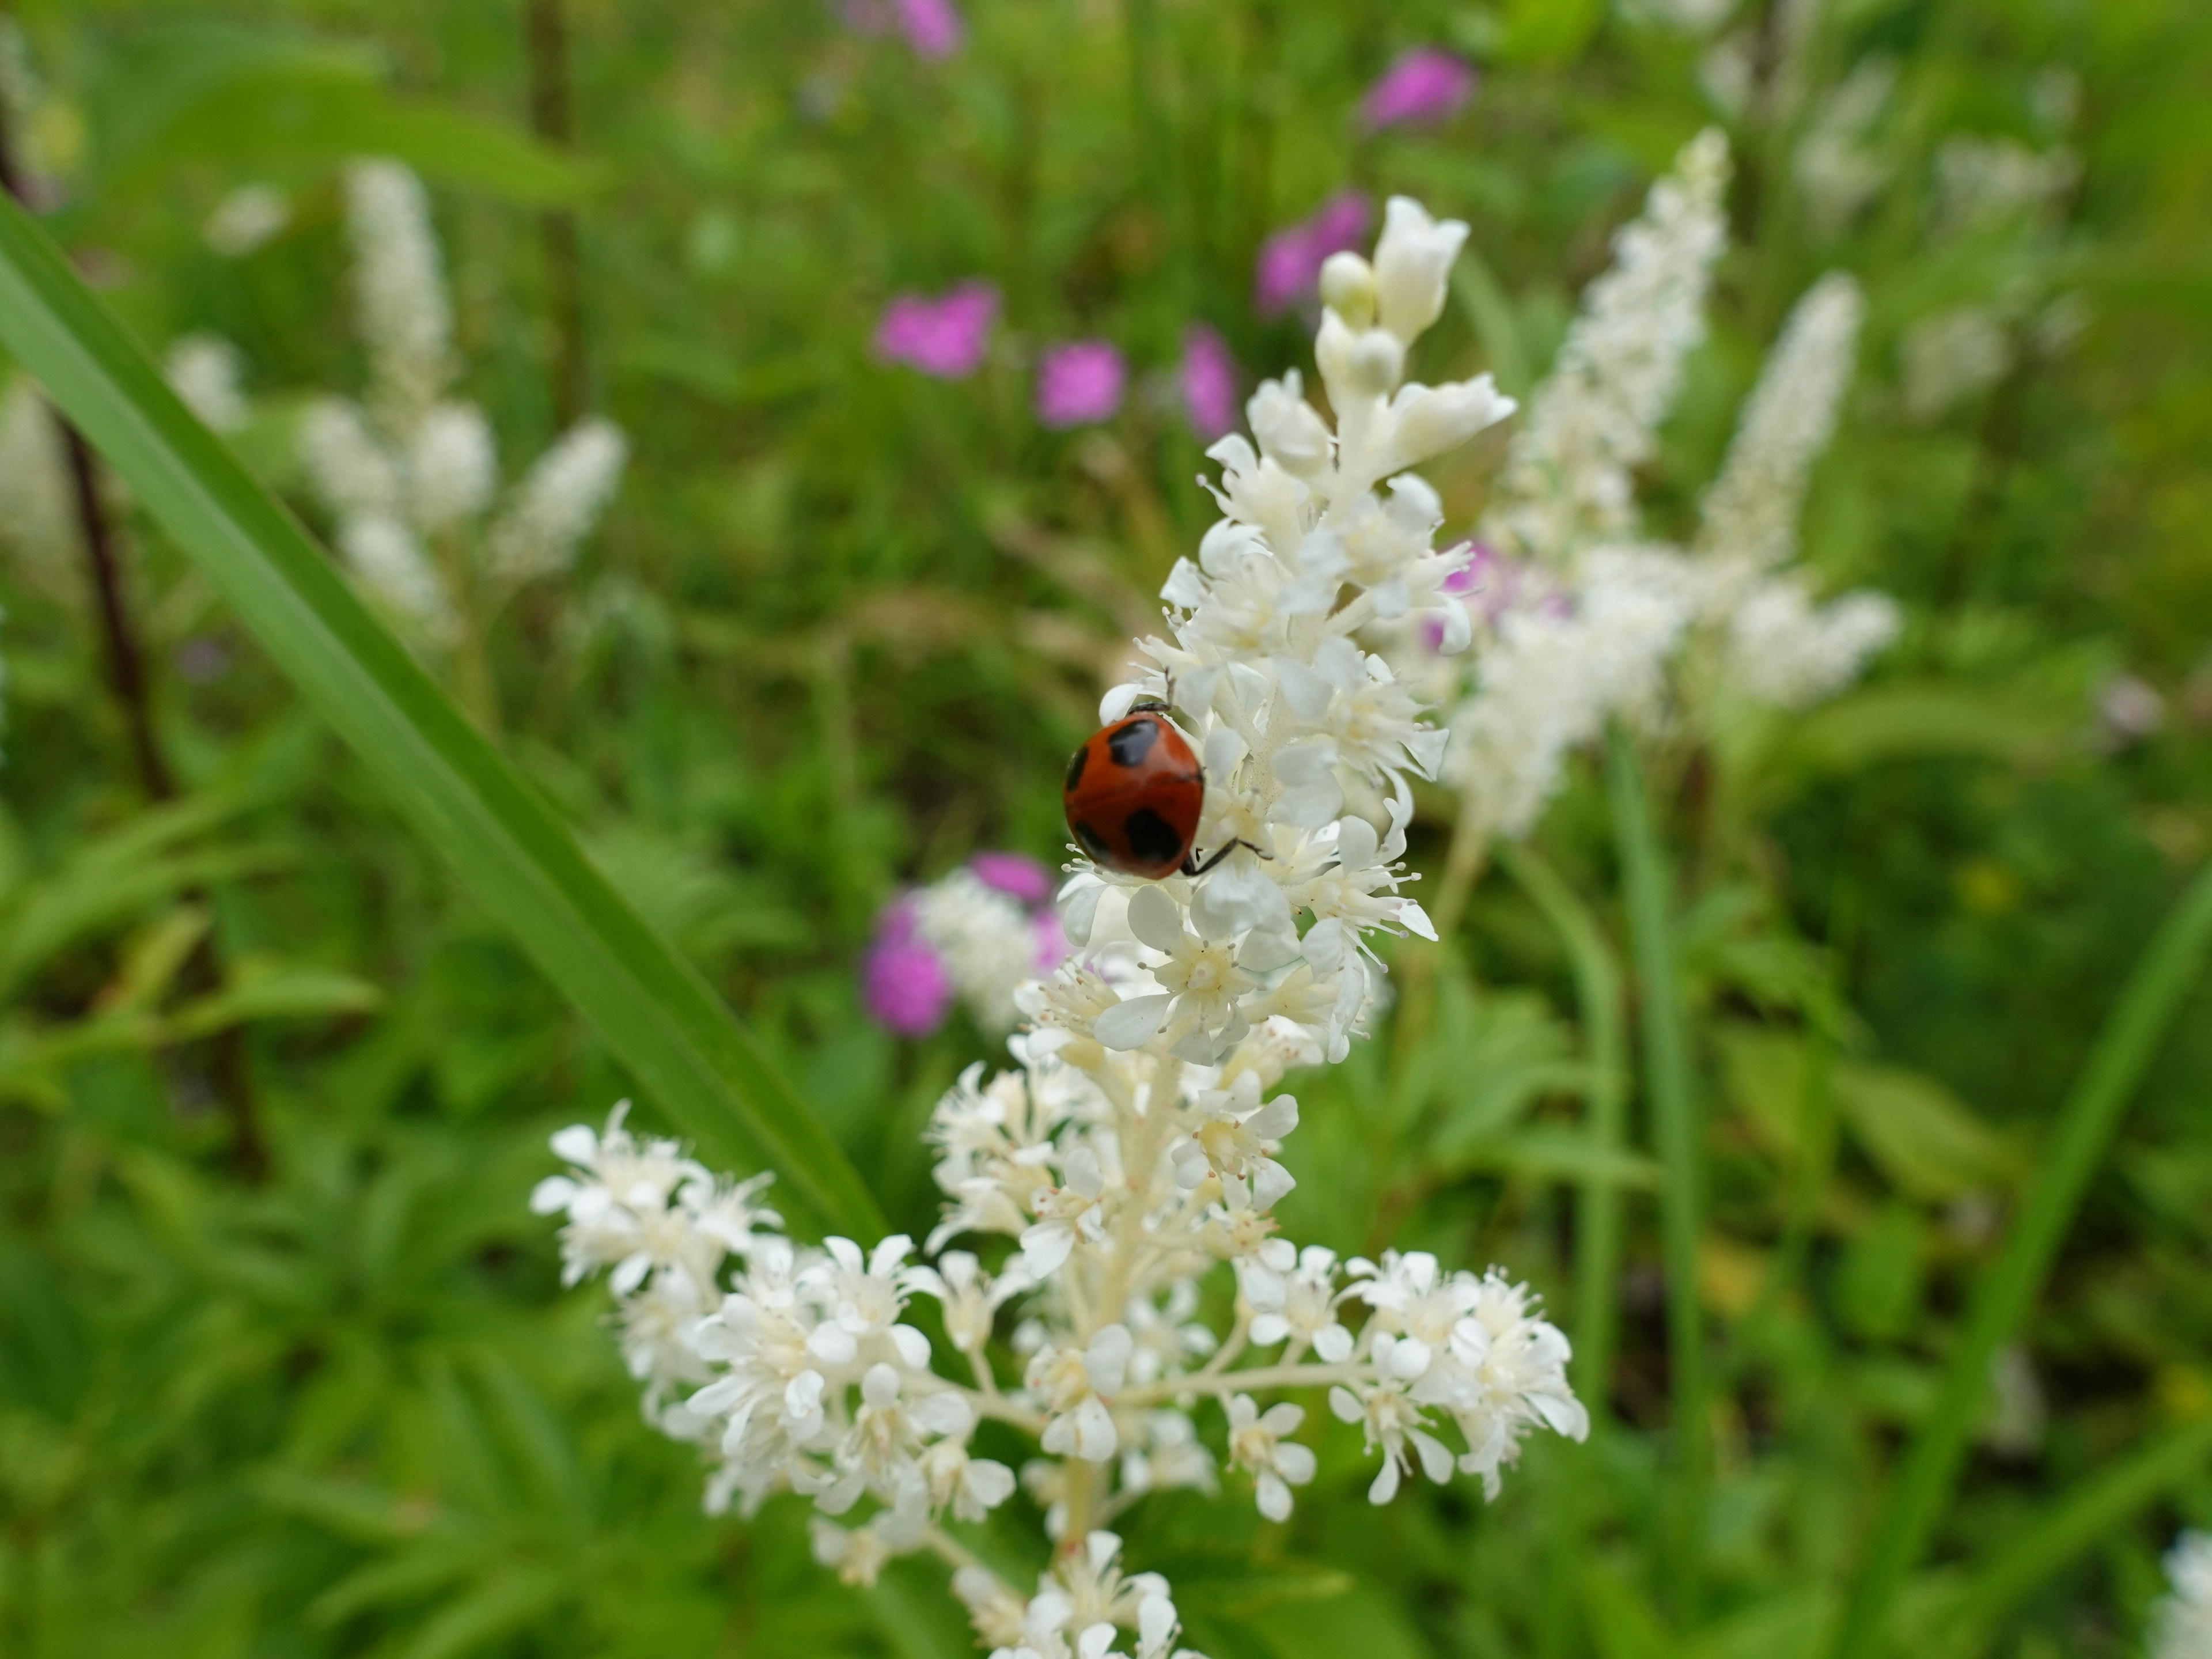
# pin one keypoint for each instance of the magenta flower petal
(932, 28)
(943, 336)
(1051, 942)
(1289, 266)
(1079, 383)
(1424, 86)
(1207, 376)
(903, 986)
(1018, 878)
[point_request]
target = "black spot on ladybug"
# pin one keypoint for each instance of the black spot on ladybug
(1131, 743)
(1093, 842)
(1075, 768)
(1150, 838)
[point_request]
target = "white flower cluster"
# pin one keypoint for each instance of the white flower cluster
(1569, 476)
(990, 944)
(207, 373)
(1983, 181)
(410, 472)
(1579, 618)
(2182, 1624)
(1138, 1144)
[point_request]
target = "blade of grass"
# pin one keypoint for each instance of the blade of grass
(2007, 1293)
(1597, 1217)
(2082, 1518)
(1648, 887)
(1597, 1209)
(681, 1041)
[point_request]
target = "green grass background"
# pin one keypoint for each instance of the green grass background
(841, 628)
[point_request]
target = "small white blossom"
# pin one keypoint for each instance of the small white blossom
(1750, 515)
(399, 289)
(559, 502)
(408, 470)
(207, 374)
(1785, 650)
(1593, 422)
(1257, 1444)
(1952, 356)
(247, 218)
(1839, 167)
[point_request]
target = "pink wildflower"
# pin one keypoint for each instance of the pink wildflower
(1208, 378)
(943, 337)
(1425, 86)
(1018, 878)
(1079, 383)
(903, 983)
(1289, 262)
(932, 28)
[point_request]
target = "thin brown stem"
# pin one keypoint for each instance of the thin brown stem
(227, 1078)
(126, 672)
(552, 114)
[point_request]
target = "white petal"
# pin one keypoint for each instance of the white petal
(1386, 1482)
(576, 1144)
(945, 1413)
(1155, 919)
(1045, 1247)
(1133, 1023)
(553, 1193)
(989, 1483)
(1274, 1497)
(913, 1347)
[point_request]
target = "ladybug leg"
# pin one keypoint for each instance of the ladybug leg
(1191, 867)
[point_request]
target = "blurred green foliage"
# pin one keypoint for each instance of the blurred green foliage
(841, 627)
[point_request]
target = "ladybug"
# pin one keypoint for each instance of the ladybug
(1134, 793)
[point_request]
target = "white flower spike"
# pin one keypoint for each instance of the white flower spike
(1141, 1140)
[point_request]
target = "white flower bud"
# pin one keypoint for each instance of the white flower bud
(1347, 287)
(1412, 266)
(1378, 363)
(1432, 419)
(1288, 430)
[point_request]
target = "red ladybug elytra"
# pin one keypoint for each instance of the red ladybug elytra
(1134, 793)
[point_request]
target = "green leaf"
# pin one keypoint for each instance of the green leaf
(1551, 31)
(1623, 1623)
(243, 100)
(702, 1067)
(1359, 1620)
(1904, 721)
(1930, 1143)
(262, 989)
(2006, 1293)
(1568, 1155)
(1926, 1140)
(1878, 1283)
(1500, 1055)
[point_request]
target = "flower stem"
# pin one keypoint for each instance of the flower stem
(1675, 1127)
(1598, 1207)
(1221, 1384)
